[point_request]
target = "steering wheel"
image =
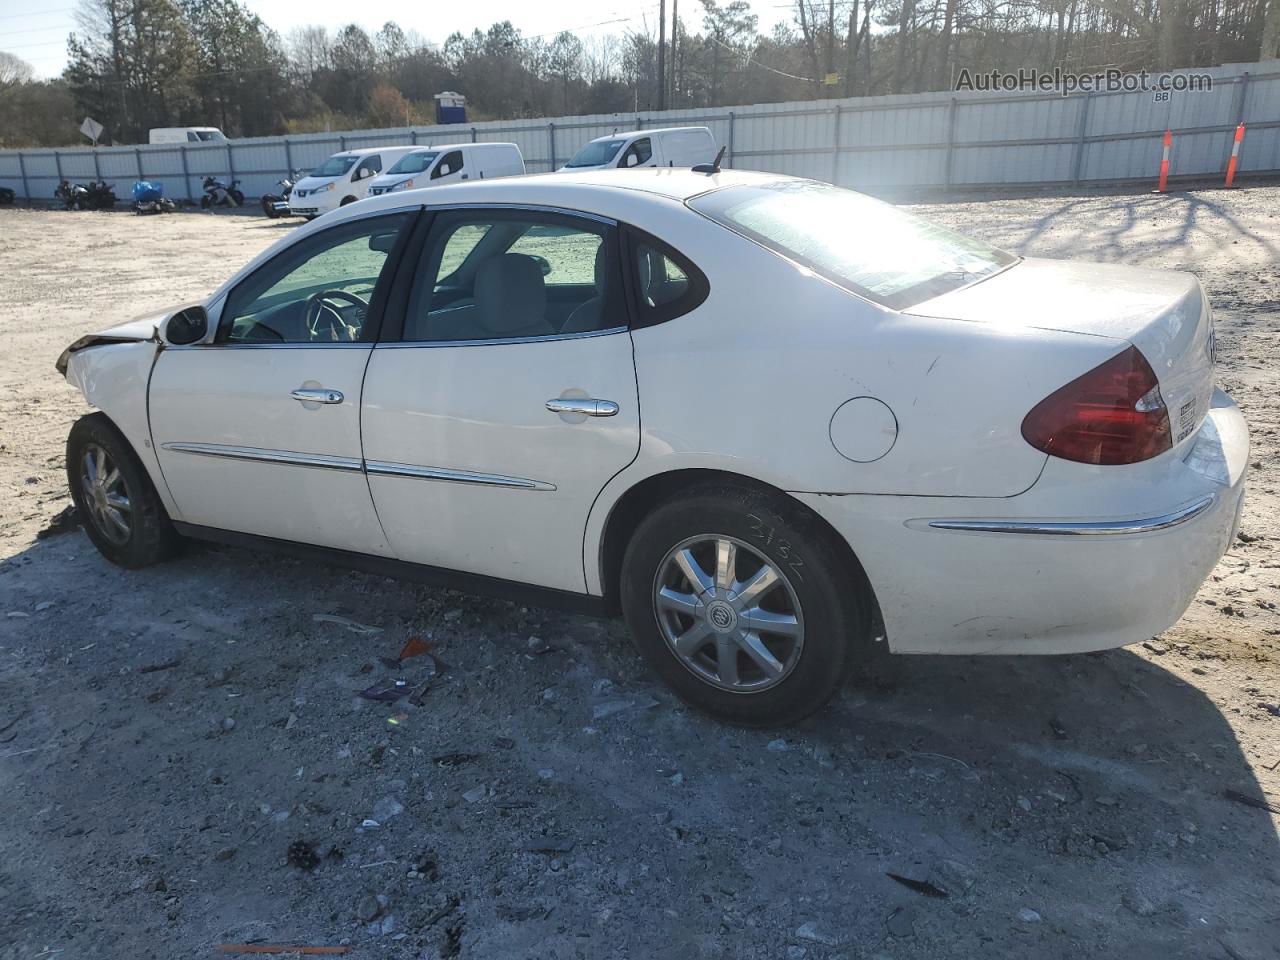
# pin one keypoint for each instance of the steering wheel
(325, 321)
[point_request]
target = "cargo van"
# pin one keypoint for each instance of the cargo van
(343, 178)
(186, 135)
(662, 147)
(449, 163)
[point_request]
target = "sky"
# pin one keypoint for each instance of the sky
(38, 35)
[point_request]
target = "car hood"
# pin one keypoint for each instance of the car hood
(313, 183)
(391, 179)
(135, 331)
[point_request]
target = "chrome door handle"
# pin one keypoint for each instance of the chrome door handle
(322, 395)
(588, 408)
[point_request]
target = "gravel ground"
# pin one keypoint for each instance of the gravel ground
(167, 735)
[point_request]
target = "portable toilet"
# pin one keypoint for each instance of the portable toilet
(451, 107)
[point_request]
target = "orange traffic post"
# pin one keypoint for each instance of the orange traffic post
(1235, 155)
(1164, 161)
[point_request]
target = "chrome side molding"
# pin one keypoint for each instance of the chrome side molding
(382, 468)
(260, 455)
(386, 469)
(1093, 528)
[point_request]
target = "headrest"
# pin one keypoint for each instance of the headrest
(511, 296)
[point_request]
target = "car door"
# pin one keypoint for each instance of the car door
(258, 431)
(508, 400)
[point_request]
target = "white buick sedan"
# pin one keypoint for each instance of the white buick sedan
(776, 424)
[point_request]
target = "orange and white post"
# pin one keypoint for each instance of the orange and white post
(1164, 161)
(1235, 155)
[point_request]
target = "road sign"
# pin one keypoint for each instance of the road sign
(92, 129)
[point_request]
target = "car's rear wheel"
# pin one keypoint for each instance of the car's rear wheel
(119, 506)
(742, 603)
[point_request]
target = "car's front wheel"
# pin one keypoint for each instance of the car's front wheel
(114, 497)
(742, 603)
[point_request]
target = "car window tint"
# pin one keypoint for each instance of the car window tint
(638, 153)
(514, 275)
(451, 162)
(666, 283)
(569, 255)
(317, 291)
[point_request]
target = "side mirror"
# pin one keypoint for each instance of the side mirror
(543, 264)
(186, 326)
(630, 160)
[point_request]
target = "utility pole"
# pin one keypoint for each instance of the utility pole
(662, 62)
(831, 38)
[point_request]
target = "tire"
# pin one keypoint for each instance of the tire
(238, 197)
(150, 536)
(269, 207)
(205, 202)
(822, 597)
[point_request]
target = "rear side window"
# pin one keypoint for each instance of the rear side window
(665, 283)
(865, 245)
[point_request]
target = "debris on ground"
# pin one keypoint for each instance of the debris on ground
(302, 855)
(63, 522)
(919, 886)
(387, 690)
(363, 629)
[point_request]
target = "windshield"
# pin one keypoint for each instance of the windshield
(415, 162)
(865, 245)
(335, 166)
(595, 153)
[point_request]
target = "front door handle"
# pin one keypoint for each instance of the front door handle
(586, 407)
(320, 395)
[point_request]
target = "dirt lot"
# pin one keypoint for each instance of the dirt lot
(166, 735)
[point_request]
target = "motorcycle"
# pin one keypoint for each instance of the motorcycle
(148, 197)
(101, 195)
(74, 196)
(219, 194)
(277, 204)
(98, 195)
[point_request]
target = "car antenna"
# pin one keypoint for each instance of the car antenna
(713, 166)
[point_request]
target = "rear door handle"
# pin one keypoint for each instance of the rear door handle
(587, 407)
(320, 395)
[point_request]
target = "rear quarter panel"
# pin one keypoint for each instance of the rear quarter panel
(749, 381)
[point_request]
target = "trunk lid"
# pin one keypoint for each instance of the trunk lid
(1163, 313)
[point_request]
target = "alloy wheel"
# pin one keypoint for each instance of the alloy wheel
(106, 496)
(728, 613)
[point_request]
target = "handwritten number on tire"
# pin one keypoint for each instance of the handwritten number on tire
(766, 535)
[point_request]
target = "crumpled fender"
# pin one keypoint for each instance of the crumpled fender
(135, 331)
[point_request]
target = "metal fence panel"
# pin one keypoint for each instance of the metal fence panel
(925, 139)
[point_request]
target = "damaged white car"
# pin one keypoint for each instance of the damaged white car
(776, 424)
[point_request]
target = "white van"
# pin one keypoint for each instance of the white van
(450, 162)
(662, 147)
(186, 135)
(343, 178)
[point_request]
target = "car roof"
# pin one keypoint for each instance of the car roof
(624, 134)
(587, 190)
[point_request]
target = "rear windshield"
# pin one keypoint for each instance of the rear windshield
(414, 162)
(595, 153)
(334, 167)
(865, 245)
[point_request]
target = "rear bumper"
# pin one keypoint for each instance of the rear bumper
(1088, 558)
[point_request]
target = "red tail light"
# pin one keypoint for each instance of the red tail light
(1112, 414)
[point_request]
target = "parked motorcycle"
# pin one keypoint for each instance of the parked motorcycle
(101, 195)
(148, 197)
(98, 195)
(219, 194)
(7, 196)
(74, 196)
(277, 204)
